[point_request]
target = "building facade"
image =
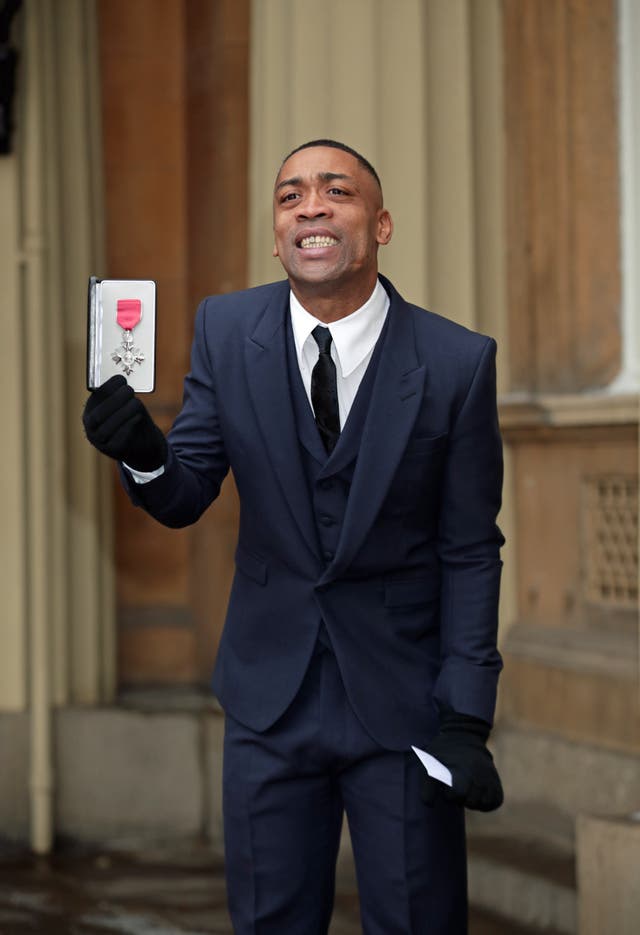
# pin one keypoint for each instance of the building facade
(507, 136)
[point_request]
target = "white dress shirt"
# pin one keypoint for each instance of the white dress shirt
(353, 340)
(352, 344)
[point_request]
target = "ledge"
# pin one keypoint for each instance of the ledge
(602, 652)
(167, 700)
(528, 410)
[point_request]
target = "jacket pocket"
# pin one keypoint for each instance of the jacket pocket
(251, 565)
(417, 593)
(425, 445)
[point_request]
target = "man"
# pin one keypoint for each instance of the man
(363, 438)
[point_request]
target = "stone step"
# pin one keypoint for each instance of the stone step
(482, 922)
(528, 882)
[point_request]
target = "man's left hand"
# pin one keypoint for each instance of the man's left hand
(461, 746)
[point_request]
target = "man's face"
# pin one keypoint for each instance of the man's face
(328, 220)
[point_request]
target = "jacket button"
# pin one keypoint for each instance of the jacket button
(328, 555)
(325, 484)
(327, 520)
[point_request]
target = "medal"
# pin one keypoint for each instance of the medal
(128, 315)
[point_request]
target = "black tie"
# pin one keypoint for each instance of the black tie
(324, 391)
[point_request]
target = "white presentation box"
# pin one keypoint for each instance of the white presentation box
(121, 332)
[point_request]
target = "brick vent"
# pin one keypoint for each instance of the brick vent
(610, 542)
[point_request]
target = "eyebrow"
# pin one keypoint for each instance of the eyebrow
(323, 176)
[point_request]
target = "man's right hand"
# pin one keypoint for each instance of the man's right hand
(118, 424)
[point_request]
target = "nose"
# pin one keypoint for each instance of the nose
(313, 206)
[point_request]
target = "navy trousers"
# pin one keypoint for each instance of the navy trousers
(285, 791)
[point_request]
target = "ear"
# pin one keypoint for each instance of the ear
(385, 227)
(274, 252)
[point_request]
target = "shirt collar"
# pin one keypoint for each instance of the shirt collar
(353, 336)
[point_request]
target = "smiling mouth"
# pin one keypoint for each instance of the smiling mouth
(317, 240)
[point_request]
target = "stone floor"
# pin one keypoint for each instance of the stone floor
(150, 892)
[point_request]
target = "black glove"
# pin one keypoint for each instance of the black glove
(461, 746)
(118, 424)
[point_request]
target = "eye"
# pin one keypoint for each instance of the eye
(337, 191)
(289, 196)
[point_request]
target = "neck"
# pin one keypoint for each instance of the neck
(328, 303)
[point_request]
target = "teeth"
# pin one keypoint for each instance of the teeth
(318, 240)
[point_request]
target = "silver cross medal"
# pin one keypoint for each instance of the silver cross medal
(128, 315)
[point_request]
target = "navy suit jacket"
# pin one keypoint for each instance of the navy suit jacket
(410, 597)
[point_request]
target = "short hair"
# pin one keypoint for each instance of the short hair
(335, 144)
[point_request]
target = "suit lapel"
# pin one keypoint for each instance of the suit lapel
(395, 402)
(268, 381)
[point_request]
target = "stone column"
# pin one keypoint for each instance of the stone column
(608, 858)
(56, 578)
(417, 88)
